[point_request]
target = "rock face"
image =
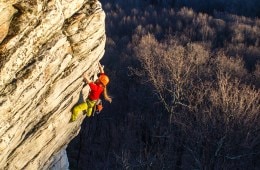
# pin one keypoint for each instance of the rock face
(45, 46)
(6, 14)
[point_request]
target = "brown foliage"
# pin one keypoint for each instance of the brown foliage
(205, 97)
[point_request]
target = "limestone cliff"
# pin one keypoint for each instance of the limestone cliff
(45, 46)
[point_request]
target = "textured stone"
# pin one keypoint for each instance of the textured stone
(60, 161)
(6, 14)
(48, 46)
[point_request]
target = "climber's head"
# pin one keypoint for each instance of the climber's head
(103, 79)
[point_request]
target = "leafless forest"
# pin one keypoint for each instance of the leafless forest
(185, 78)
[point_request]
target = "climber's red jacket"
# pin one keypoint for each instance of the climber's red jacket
(95, 90)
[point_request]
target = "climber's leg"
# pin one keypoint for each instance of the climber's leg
(91, 104)
(78, 109)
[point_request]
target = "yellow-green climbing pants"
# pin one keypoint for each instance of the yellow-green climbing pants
(86, 106)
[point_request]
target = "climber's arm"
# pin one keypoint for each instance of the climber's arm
(86, 78)
(101, 69)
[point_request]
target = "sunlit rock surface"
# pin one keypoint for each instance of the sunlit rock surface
(6, 14)
(45, 46)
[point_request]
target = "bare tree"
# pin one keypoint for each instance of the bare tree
(217, 114)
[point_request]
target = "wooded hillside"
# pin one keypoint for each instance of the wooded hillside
(185, 87)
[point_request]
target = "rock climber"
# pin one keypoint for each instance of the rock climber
(96, 89)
